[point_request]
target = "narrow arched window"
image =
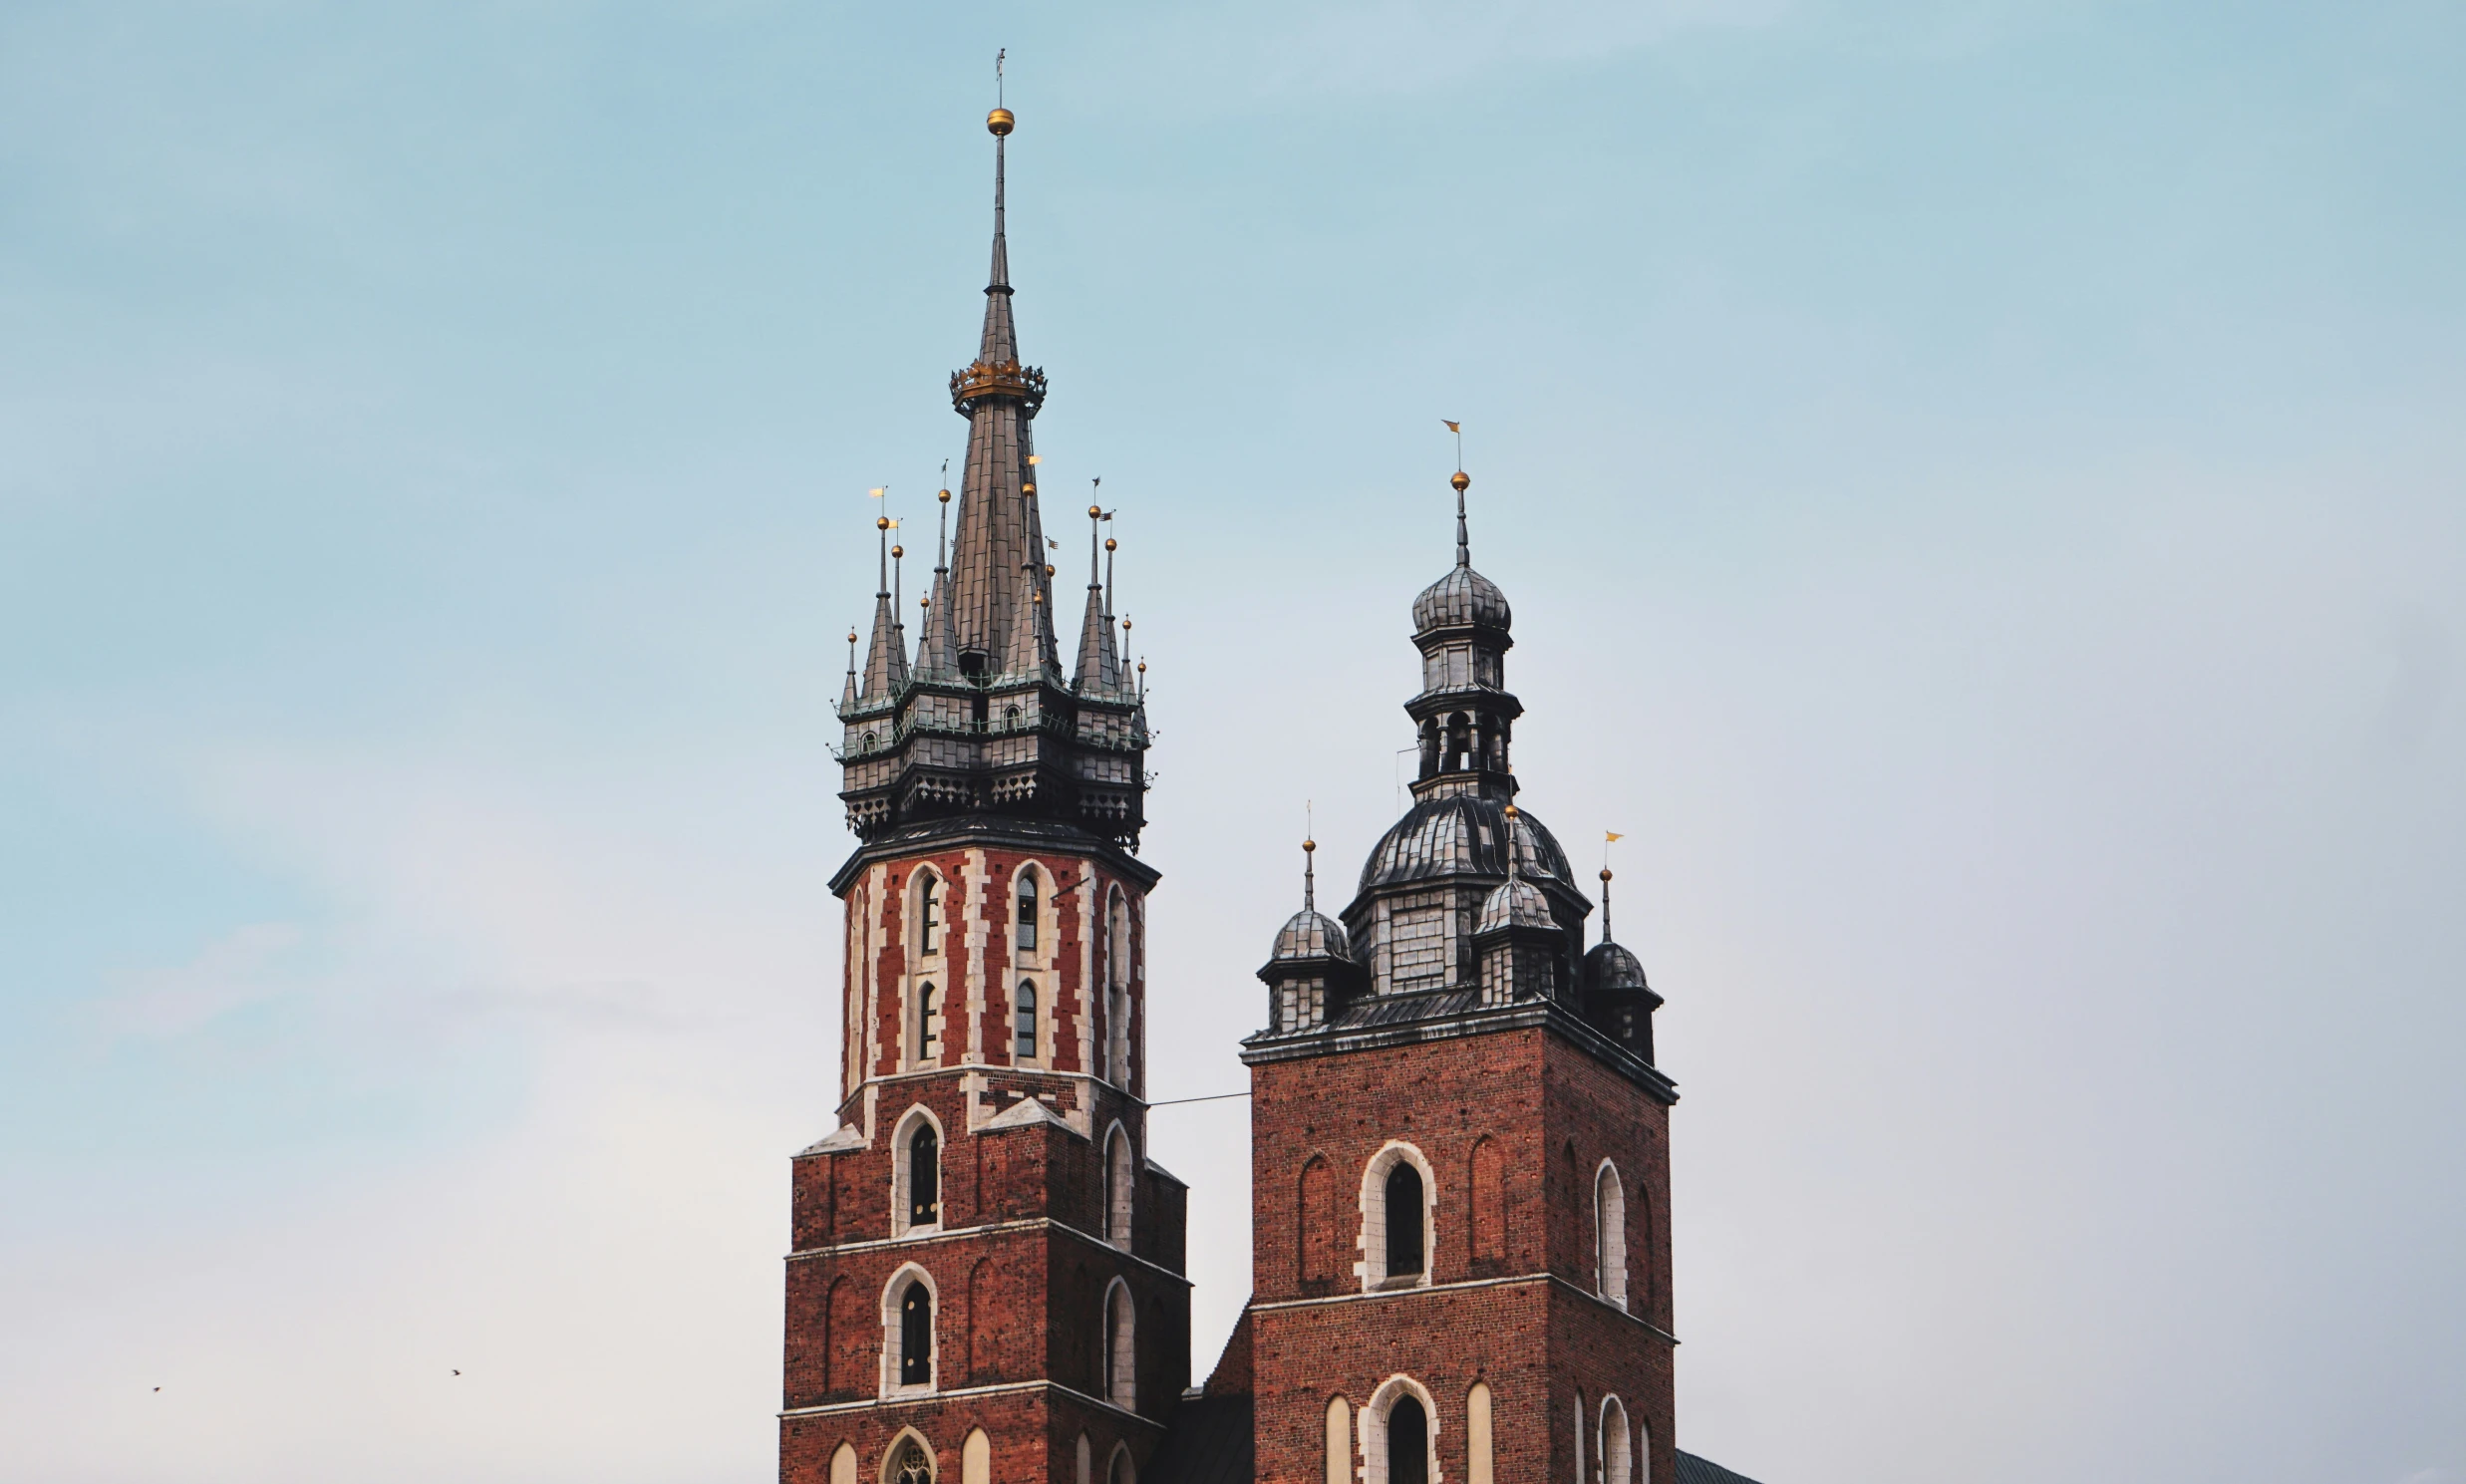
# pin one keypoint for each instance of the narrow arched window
(1609, 1235)
(1617, 1449)
(916, 1336)
(1403, 1220)
(924, 1176)
(1479, 1465)
(1118, 1190)
(1024, 1036)
(1026, 937)
(1338, 1468)
(929, 914)
(928, 1023)
(1121, 1356)
(1122, 1472)
(1118, 992)
(1409, 1442)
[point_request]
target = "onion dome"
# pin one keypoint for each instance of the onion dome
(1611, 966)
(1464, 834)
(1461, 599)
(1517, 903)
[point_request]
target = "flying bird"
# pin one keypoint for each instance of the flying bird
(457, 1372)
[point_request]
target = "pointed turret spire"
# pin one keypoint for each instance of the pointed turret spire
(1605, 906)
(1099, 664)
(934, 655)
(1001, 341)
(1310, 875)
(886, 661)
(847, 694)
(1463, 539)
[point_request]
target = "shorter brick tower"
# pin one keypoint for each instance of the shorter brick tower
(986, 1274)
(1459, 1142)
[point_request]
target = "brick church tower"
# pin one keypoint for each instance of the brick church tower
(986, 1279)
(1460, 1141)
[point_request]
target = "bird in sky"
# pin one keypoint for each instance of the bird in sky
(457, 1372)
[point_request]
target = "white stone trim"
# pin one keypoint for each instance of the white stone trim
(1372, 1243)
(893, 1340)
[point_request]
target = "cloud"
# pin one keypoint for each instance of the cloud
(247, 966)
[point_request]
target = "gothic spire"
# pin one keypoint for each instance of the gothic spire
(934, 656)
(996, 559)
(1099, 666)
(847, 694)
(886, 660)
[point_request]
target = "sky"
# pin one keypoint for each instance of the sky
(1985, 504)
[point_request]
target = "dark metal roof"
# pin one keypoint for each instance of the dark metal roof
(1611, 966)
(1464, 597)
(1308, 934)
(1462, 834)
(1516, 904)
(1693, 1470)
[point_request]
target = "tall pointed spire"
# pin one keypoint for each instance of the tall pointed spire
(847, 694)
(1001, 341)
(998, 551)
(1605, 906)
(886, 661)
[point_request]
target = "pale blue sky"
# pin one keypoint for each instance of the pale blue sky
(1984, 501)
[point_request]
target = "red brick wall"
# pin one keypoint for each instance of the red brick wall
(1018, 1265)
(1515, 1125)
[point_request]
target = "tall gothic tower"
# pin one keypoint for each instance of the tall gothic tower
(986, 1279)
(1459, 1140)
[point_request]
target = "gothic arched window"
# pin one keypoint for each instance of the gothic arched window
(911, 1466)
(1403, 1194)
(928, 1023)
(924, 1176)
(1609, 1234)
(1408, 1440)
(1120, 1352)
(1023, 1033)
(1117, 1189)
(916, 1335)
(1026, 935)
(928, 913)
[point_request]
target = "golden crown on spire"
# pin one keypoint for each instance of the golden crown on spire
(999, 122)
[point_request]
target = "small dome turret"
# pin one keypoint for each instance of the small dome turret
(1611, 966)
(1311, 934)
(1517, 903)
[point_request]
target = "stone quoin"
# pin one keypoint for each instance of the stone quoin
(1459, 1139)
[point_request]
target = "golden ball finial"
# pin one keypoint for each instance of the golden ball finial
(943, 496)
(1093, 512)
(1511, 812)
(897, 552)
(851, 636)
(1111, 543)
(1463, 482)
(1605, 873)
(881, 523)
(1028, 489)
(999, 122)
(1142, 667)
(924, 602)
(1309, 845)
